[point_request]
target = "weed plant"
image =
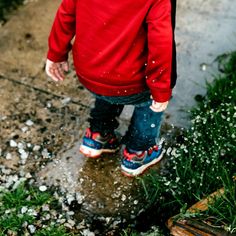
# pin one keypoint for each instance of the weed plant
(206, 153)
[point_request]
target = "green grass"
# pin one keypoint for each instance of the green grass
(197, 163)
(22, 207)
(222, 212)
(52, 231)
(153, 232)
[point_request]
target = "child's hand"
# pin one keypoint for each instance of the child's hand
(56, 70)
(158, 106)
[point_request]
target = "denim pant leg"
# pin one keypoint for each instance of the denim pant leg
(144, 129)
(103, 116)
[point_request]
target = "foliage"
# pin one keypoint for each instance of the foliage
(155, 231)
(222, 211)
(196, 165)
(23, 207)
(52, 231)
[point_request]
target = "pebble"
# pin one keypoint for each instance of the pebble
(123, 198)
(70, 199)
(11, 232)
(135, 202)
(65, 100)
(49, 105)
(71, 222)
(6, 171)
(7, 211)
(87, 232)
(29, 145)
(70, 213)
(42, 188)
(45, 207)
(24, 209)
(29, 122)
(32, 212)
(9, 156)
(54, 213)
(3, 117)
(24, 129)
(36, 148)
(168, 152)
(13, 143)
(20, 146)
(61, 221)
(48, 217)
(28, 176)
(23, 154)
(45, 153)
(67, 225)
(108, 220)
(79, 198)
(32, 229)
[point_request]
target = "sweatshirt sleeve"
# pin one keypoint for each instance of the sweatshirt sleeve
(62, 32)
(160, 71)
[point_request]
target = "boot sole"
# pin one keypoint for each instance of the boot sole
(93, 153)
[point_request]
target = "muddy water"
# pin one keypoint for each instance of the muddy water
(102, 193)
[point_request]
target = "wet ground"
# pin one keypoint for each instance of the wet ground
(42, 122)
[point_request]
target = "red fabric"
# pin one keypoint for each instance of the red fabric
(120, 47)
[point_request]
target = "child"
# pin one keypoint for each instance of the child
(124, 53)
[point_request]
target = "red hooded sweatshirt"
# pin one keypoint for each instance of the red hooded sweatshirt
(120, 47)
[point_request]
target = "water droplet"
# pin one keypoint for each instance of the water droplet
(153, 125)
(203, 66)
(153, 62)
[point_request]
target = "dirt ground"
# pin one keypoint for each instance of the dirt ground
(42, 122)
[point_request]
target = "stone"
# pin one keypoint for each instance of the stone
(42, 188)
(29, 122)
(13, 143)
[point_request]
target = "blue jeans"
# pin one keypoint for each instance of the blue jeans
(144, 129)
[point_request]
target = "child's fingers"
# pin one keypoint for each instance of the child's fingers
(50, 72)
(55, 70)
(158, 107)
(53, 74)
(59, 74)
(65, 66)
